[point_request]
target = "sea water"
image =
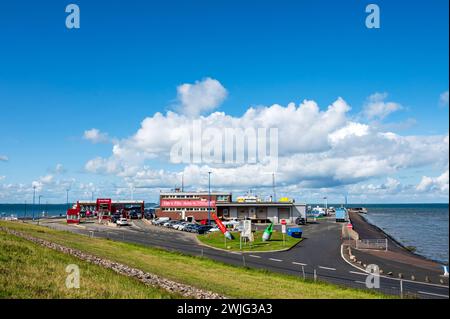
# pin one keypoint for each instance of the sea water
(423, 226)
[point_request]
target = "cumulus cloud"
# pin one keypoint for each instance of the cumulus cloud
(376, 107)
(318, 148)
(443, 99)
(437, 183)
(200, 97)
(95, 136)
(4, 158)
(59, 169)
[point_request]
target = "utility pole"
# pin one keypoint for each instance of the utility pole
(25, 209)
(67, 198)
(182, 182)
(209, 198)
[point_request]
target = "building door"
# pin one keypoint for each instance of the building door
(283, 213)
(242, 212)
(261, 213)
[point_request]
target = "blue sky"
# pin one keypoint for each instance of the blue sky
(126, 61)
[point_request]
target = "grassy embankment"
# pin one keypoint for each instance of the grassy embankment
(28, 270)
(217, 240)
(237, 282)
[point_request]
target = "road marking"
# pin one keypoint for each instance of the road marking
(277, 260)
(254, 256)
(235, 253)
(391, 278)
(327, 268)
(358, 273)
(360, 282)
(432, 294)
(301, 264)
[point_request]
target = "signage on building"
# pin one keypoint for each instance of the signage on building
(186, 203)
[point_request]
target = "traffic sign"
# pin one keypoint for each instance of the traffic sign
(283, 222)
(349, 226)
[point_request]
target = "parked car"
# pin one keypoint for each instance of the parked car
(160, 221)
(300, 221)
(214, 229)
(122, 222)
(178, 225)
(191, 228)
(203, 229)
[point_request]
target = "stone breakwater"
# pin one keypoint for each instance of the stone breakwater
(144, 277)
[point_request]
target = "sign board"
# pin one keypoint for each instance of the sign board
(349, 226)
(283, 228)
(186, 203)
(246, 228)
(283, 222)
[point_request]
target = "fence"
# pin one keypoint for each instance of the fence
(377, 244)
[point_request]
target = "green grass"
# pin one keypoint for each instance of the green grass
(232, 281)
(28, 270)
(216, 239)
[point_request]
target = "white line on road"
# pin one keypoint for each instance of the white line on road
(301, 264)
(327, 268)
(254, 256)
(360, 282)
(432, 294)
(277, 260)
(234, 253)
(358, 273)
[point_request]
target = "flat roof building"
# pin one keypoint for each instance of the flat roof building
(194, 205)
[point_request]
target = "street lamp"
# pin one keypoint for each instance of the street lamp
(34, 200)
(39, 200)
(67, 197)
(209, 198)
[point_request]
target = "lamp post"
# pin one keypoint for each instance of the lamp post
(67, 197)
(34, 200)
(209, 198)
(39, 205)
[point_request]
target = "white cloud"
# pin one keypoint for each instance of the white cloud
(95, 136)
(59, 169)
(443, 99)
(376, 108)
(2, 178)
(318, 149)
(440, 183)
(200, 97)
(4, 158)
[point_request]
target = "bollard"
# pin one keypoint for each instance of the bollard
(400, 275)
(401, 289)
(427, 279)
(315, 275)
(303, 271)
(202, 252)
(243, 259)
(413, 278)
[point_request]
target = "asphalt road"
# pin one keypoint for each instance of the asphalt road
(318, 255)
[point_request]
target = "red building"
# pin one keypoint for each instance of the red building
(103, 208)
(190, 205)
